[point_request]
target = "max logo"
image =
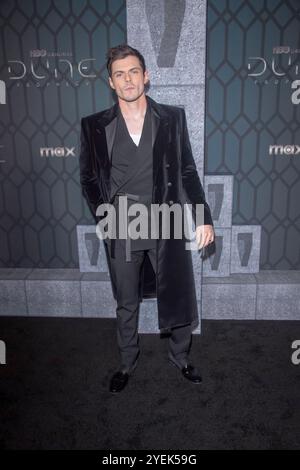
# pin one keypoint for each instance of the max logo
(57, 151)
(296, 354)
(2, 352)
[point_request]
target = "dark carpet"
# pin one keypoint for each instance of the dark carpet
(54, 388)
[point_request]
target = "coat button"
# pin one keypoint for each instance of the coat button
(167, 165)
(169, 183)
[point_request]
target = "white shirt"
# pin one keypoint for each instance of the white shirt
(136, 138)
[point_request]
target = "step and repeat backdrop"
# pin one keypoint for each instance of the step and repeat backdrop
(233, 66)
(252, 118)
(52, 73)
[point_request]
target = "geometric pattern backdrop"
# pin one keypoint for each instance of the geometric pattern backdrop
(44, 220)
(48, 50)
(53, 66)
(245, 114)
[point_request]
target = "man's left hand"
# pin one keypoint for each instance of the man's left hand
(204, 235)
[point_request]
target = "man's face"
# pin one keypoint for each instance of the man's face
(127, 78)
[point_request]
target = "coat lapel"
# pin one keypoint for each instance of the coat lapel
(104, 134)
(160, 134)
(110, 131)
(105, 130)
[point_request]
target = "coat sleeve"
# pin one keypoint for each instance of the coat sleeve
(88, 178)
(190, 179)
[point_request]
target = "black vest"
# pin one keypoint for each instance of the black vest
(132, 169)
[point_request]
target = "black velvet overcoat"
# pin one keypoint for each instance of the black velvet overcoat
(175, 179)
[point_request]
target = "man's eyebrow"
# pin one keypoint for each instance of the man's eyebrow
(133, 68)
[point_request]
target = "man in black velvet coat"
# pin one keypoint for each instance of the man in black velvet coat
(140, 149)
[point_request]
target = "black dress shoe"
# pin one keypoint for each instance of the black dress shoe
(189, 372)
(120, 378)
(118, 382)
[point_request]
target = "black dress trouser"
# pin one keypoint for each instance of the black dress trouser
(127, 276)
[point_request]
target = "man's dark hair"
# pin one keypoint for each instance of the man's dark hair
(120, 52)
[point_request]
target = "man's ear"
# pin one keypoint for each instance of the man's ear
(111, 83)
(146, 77)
